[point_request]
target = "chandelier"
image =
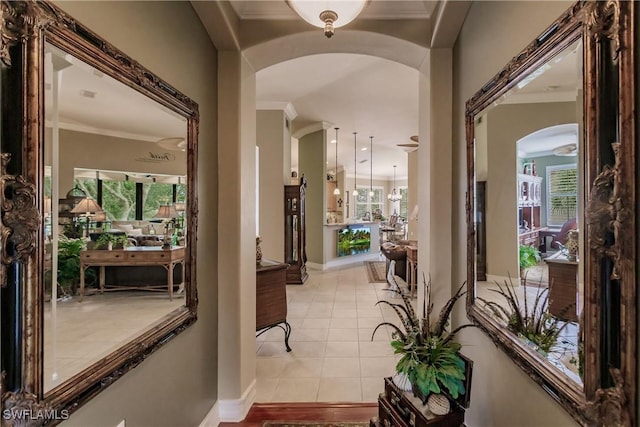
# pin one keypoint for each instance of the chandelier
(394, 196)
(327, 14)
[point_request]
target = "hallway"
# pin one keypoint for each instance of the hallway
(333, 358)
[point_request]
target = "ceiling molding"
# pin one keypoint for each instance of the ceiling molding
(104, 132)
(314, 127)
(287, 107)
(398, 9)
(450, 16)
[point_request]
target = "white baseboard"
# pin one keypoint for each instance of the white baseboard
(212, 419)
(235, 410)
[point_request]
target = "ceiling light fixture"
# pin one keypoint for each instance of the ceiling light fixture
(336, 192)
(371, 193)
(355, 163)
(394, 196)
(328, 14)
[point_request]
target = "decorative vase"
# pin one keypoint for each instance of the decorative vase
(438, 404)
(258, 250)
(110, 246)
(402, 382)
(572, 245)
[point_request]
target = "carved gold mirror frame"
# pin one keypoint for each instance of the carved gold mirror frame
(25, 26)
(606, 30)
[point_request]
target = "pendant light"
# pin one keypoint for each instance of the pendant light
(355, 162)
(371, 193)
(394, 196)
(336, 192)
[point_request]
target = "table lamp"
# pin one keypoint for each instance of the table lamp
(168, 213)
(88, 207)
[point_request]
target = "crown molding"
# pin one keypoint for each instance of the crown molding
(314, 127)
(287, 107)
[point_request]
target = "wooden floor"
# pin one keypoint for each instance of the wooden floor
(333, 412)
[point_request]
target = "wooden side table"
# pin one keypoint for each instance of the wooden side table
(563, 287)
(271, 298)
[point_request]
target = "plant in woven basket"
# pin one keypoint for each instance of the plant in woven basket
(430, 357)
(532, 322)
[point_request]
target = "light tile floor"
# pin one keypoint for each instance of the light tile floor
(78, 334)
(333, 357)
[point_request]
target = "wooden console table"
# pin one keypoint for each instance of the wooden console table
(271, 298)
(133, 257)
(563, 287)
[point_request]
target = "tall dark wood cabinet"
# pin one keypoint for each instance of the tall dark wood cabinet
(294, 232)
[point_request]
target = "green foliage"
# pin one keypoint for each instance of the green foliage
(430, 357)
(534, 323)
(117, 241)
(69, 264)
(529, 256)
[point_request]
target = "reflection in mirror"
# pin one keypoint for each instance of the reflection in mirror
(115, 230)
(528, 153)
(551, 171)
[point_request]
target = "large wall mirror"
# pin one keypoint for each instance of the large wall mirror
(550, 149)
(99, 224)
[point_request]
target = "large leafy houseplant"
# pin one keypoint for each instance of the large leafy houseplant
(69, 263)
(430, 357)
(528, 256)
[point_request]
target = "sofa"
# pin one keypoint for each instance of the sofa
(397, 252)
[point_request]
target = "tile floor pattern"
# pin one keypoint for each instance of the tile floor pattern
(89, 330)
(333, 358)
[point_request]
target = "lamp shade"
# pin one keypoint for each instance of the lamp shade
(180, 207)
(87, 206)
(167, 211)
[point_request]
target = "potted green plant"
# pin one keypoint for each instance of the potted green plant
(120, 241)
(430, 357)
(69, 265)
(528, 256)
(531, 322)
(104, 241)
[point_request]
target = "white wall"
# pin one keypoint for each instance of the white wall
(494, 32)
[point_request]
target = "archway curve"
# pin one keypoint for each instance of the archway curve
(307, 43)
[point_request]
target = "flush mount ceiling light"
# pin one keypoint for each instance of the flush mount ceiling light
(328, 14)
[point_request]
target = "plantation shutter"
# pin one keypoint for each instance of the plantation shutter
(562, 194)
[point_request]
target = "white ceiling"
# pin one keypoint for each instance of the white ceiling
(357, 93)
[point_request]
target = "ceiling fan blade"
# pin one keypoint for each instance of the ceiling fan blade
(408, 145)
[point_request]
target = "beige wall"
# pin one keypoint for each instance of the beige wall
(312, 160)
(177, 385)
(505, 125)
(493, 33)
(274, 141)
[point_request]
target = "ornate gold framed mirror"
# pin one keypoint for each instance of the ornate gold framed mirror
(551, 169)
(98, 215)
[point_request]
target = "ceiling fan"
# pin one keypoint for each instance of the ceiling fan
(174, 143)
(566, 150)
(413, 144)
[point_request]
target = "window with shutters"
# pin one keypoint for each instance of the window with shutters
(562, 194)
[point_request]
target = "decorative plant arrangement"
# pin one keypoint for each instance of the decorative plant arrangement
(534, 322)
(109, 239)
(430, 356)
(69, 265)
